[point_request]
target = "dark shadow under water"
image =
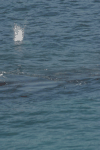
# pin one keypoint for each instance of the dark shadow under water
(26, 86)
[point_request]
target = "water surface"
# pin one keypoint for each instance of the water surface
(50, 79)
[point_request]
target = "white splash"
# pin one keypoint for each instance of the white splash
(1, 74)
(18, 33)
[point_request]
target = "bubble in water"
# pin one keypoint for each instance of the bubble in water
(18, 33)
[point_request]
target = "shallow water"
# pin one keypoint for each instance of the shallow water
(50, 79)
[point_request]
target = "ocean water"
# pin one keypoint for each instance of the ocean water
(50, 75)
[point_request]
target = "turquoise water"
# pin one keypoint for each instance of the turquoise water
(50, 81)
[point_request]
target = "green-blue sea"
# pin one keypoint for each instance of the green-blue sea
(49, 75)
